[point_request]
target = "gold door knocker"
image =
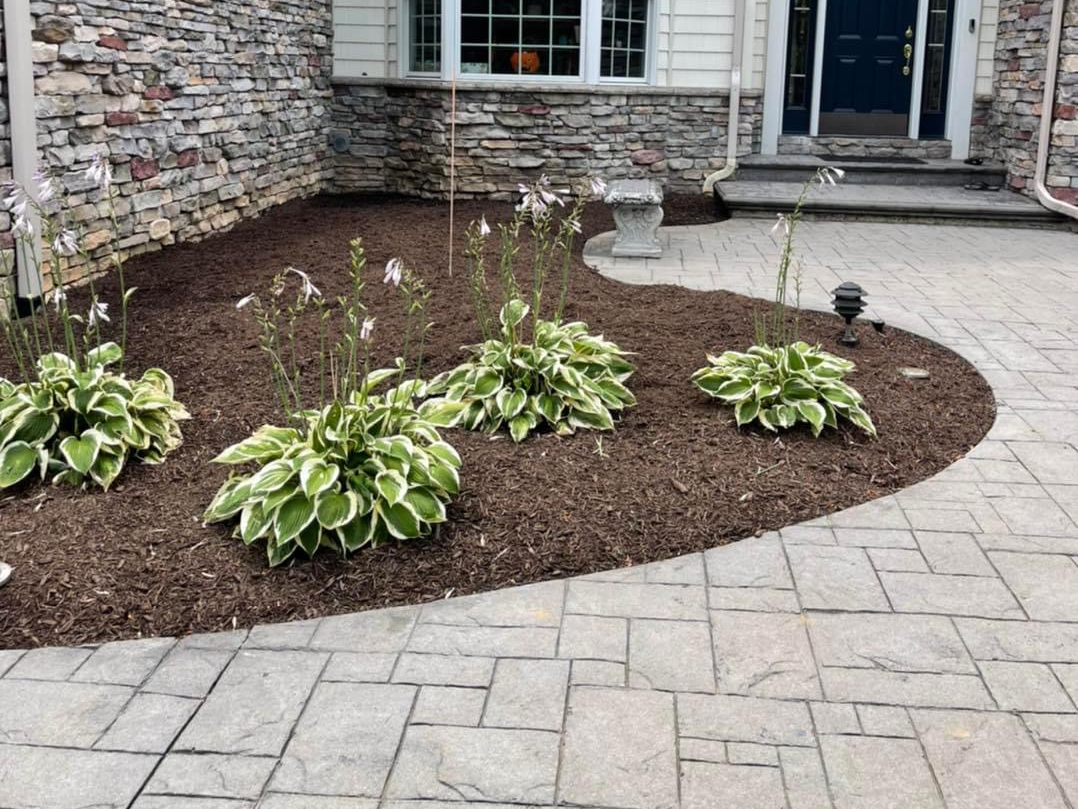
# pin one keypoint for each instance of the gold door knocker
(907, 51)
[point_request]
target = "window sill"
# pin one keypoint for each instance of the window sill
(568, 87)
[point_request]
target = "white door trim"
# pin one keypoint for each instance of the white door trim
(817, 67)
(917, 85)
(963, 81)
(778, 24)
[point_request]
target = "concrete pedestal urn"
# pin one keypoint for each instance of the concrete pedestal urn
(638, 212)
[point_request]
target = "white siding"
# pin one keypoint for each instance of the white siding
(702, 43)
(986, 48)
(360, 37)
(757, 58)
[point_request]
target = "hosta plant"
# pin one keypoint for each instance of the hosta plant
(72, 414)
(83, 425)
(352, 467)
(532, 373)
(781, 387)
(357, 473)
(563, 379)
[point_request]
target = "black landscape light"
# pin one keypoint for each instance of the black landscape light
(849, 302)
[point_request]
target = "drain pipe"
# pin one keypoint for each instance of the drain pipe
(18, 26)
(1047, 113)
(735, 100)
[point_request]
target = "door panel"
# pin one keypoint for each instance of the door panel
(865, 89)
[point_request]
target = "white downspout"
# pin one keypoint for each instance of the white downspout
(23, 124)
(1048, 106)
(735, 100)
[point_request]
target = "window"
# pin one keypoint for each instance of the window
(586, 40)
(520, 37)
(426, 30)
(624, 43)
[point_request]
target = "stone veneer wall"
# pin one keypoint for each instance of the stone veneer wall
(211, 110)
(394, 136)
(1021, 50)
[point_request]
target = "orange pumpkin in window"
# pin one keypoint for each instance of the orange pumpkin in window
(525, 62)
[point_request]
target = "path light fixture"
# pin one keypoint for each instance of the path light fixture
(848, 302)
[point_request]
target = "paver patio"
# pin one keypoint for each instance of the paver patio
(917, 651)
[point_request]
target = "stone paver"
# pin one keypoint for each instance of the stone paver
(920, 650)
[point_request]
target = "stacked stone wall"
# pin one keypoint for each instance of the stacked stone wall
(1015, 118)
(395, 136)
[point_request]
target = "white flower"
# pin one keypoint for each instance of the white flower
(98, 313)
(394, 270)
(245, 300)
(840, 172)
(100, 171)
(46, 187)
(309, 289)
(783, 222)
(58, 297)
(598, 186)
(367, 329)
(66, 243)
(532, 203)
(573, 224)
(23, 227)
(484, 228)
(828, 174)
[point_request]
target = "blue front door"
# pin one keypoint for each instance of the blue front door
(867, 67)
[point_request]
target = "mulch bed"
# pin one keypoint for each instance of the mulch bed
(675, 477)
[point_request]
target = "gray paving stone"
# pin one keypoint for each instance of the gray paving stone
(8, 658)
(950, 595)
(1024, 515)
(759, 562)
(953, 553)
(1025, 544)
(597, 672)
(878, 538)
(885, 720)
(184, 802)
(276, 800)
(808, 535)
(760, 755)
(188, 672)
(900, 688)
(753, 599)
(77, 779)
(745, 719)
(61, 714)
(834, 717)
(702, 750)
(764, 655)
(882, 513)
(705, 786)
(360, 667)
(806, 785)
(985, 761)
(531, 605)
(127, 662)
(426, 669)
(148, 724)
(484, 641)
(481, 764)
(893, 642)
(1052, 727)
(1063, 761)
(680, 570)
(594, 638)
(874, 773)
(1025, 687)
(630, 600)
(528, 694)
(1035, 642)
(836, 579)
(1046, 585)
(255, 704)
(448, 705)
(49, 664)
(670, 656)
(346, 740)
(294, 635)
(898, 559)
(376, 631)
(1068, 675)
(1048, 461)
(619, 750)
(221, 641)
(212, 776)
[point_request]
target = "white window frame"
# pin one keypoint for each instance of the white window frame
(590, 50)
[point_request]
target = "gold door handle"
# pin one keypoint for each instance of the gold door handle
(907, 51)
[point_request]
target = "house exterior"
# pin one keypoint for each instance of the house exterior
(650, 87)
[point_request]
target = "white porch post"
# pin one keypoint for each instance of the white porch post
(778, 17)
(919, 48)
(23, 124)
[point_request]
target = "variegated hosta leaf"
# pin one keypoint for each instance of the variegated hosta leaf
(84, 425)
(780, 387)
(361, 473)
(564, 380)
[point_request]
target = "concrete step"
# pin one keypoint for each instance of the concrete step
(887, 202)
(870, 171)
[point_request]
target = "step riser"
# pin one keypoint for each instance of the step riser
(908, 215)
(863, 176)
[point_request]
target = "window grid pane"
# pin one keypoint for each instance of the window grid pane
(520, 37)
(624, 40)
(426, 25)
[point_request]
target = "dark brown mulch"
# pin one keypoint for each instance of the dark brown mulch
(675, 477)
